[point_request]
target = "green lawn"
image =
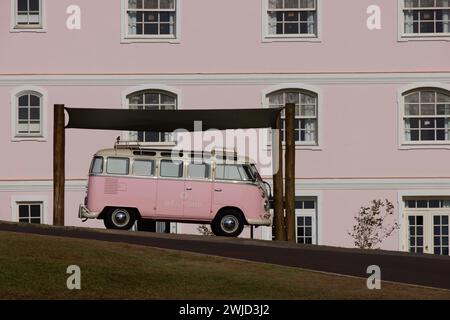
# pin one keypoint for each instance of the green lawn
(34, 267)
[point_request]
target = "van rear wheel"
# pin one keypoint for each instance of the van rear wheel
(228, 223)
(119, 218)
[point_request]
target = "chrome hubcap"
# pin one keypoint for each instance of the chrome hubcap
(120, 217)
(229, 224)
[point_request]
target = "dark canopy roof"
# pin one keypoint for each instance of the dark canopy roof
(170, 120)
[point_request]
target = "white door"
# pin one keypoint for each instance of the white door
(427, 226)
(305, 218)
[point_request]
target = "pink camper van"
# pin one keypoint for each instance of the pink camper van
(130, 182)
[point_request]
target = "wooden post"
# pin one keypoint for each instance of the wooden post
(58, 165)
(277, 150)
(290, 171)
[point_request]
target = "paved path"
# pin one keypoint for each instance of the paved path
(425, 270)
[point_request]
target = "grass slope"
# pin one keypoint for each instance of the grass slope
(34, 267)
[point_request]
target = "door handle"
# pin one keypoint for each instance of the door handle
(189, 188)
(218, 190)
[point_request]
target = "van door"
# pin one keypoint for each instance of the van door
(197, 201)
(170, 190)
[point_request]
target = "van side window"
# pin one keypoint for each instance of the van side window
(231, 172)
(96, 165)
(171, 169)
(144, 167)
(117, 166)
(198, 170)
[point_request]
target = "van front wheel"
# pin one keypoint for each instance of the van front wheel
(119, 218)
(228, 223)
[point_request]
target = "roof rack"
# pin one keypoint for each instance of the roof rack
(142, 149)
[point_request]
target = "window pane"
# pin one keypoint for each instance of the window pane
(97, 165)
(427, 109)
(422, 204)
(292, 97)
(35, 101)
(291, 3)
(22, 5)
(35, 114)
(419, 220)
(35, 210)
(427, 123)
(33, 18)
(198, 171)
(309, 204)
(411, 3)
(443, 98)
(171, 169)
(150, 17)
(132, 4)
(442, 109)
(440, 135)
(167, 4)
(150, 28)
(227, 172)
(272, 4)
(412, 98)
(23, 113)
(310, 4)
(143, 167)
(151, 4)
(427, 3)
(412, 109)
(23, 211)
(34, 5)
(291, 28)
(427, 135)
(117, 166)
(23, 101)
(427, 97)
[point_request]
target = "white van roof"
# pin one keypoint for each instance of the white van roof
(139, 150)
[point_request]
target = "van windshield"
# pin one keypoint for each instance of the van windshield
(237, 172)
(255, 173)
(96, 165)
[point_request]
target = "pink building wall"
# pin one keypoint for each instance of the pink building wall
(358, 75)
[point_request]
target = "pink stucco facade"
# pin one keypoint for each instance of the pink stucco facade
(222, 59)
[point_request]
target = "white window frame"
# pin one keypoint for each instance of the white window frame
(266, 232)
(403, 144)
(402, 36)
(266, 37)
(17, 200)
(126, 38)
(312, 213)
(126, 135)
(403, 241)
(299, 145)
(14, 27)
(15, 137)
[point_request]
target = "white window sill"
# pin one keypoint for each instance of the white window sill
(437, 145)
(424, 37)
(144, 39)
(291, 38)
(26, 29)
(29, 138)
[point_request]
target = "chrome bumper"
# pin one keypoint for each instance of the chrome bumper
(84, 213)
(265, 220)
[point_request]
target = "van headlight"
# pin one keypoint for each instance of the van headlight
(266, 205)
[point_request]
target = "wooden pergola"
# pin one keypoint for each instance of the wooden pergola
(170, 120)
